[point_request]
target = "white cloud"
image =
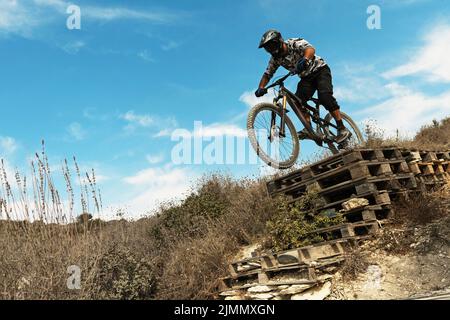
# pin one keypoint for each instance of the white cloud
(157, 185)
(171, 44)
(110, 13)
(150, 124)
(141, 120)
(8, 145)
(212, 130)
(21, 17)
(153, 176)
(73, 47)
(146, 56)
(430, 60)
(76, 131)
(154, 159)
(220, 129)
(401, 3)
(361, 83)
(16, 18)
(249, 98)
(56, 4)
(163, 133)
(402, 107)
(408, 110)
(102, 13)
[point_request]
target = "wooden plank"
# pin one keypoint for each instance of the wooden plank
(375, 198)
(425, 167)
(443, 155)
(353, 171)
(348, 230)
(304, 255)
(428, 156)
(368, 213)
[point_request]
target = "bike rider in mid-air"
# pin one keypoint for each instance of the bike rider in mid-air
(298, 56)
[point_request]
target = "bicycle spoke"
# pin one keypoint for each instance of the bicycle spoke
(280, 150)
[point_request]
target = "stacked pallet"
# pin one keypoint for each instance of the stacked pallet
(269, 268)
(375, 176)
(432, 169)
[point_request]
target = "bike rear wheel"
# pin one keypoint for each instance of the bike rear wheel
(355, 140)
(264, 120)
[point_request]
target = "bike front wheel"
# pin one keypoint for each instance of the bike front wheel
(276, 149)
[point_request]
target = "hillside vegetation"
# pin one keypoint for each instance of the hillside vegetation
(177, 253)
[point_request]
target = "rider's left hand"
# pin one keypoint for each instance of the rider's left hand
(302, 65)
(260, 92)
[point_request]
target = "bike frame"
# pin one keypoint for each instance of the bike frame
(318, 135)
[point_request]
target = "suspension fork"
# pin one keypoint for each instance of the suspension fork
(283, 117)
(282, 132)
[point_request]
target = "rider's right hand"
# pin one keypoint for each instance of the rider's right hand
(260, 92)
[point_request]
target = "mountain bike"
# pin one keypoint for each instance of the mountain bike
(274, 137)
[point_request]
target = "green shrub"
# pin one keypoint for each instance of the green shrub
(293, 226)
(190, 218)
(122, 275)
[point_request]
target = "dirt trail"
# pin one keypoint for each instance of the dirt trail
(422, 270)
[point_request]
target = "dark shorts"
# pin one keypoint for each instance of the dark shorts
(320, 81)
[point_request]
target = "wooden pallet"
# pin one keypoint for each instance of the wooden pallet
(425, 155)
(443, 155)
(372, 184)
(359, 188)
(428, 156)
(244, 266)
(303, 276)
(438, 179)
(293, 178)
(374, 198)
(446, 166)
(364, 213)
(299, 256)
(352, 156)
(335, 161)
(426, 168)
(354, 171)
(346, 230)
(304, 255)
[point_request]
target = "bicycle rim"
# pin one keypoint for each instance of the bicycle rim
(279, 152)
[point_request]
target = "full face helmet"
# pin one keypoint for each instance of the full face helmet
(272, 42)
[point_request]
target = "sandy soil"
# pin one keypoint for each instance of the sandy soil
(423, 268)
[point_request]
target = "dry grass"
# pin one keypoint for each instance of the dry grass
(191, 265)
(41, 237)
(434, 136)
(355, 263)
(421, 212)
(177, 254)
(418, 210)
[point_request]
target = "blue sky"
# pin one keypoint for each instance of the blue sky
(112, 92)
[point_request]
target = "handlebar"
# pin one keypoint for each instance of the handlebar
(281, 80)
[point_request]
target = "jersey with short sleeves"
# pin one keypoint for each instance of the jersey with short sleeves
(296, 50)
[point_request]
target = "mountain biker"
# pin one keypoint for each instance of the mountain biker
(298, 56)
